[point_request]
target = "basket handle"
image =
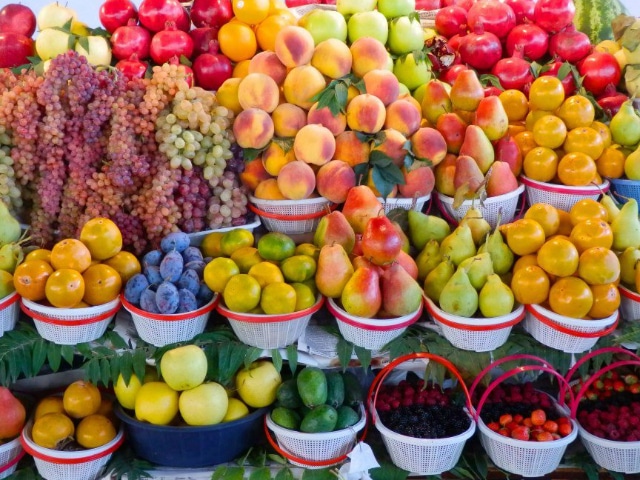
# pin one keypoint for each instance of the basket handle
(68, 323)
(302, 216)
(575, 333)
(471, 328)
(13, 461)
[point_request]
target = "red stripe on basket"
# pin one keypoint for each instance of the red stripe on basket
(302, 216)
(555, 188)
(170, 317)
(374, 328)
(243, 317)
(8, 301)
(625, 292)
(69, 461)
(13, 461)
(568, 331)
(68, 323)
(474, 328)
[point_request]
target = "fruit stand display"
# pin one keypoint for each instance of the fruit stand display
(226, 216)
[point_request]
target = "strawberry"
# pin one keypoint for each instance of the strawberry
(538, 417)
(544, 436)
(630, 379)
(550, 426)
(598, 384)
(618, 385)
(504, 432)
(565, 429)
(512, 426)
(518, 418)
(520, 433)
(527, 422)
(504, 419)
(495, 426)
(634, 388)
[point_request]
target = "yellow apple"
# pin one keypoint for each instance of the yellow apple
(205, 404)
(257, 384)
(126, 394)
(236, 409)
(156, 403)
(54, 15)
(184, 367)
(52, 42)
(96, 50)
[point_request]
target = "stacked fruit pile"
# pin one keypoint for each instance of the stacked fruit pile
(11, 253)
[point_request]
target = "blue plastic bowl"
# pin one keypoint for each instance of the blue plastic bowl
(192, 447)
(623, 189)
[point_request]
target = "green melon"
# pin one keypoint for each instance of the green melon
(593, 17)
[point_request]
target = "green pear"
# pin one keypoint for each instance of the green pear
(401, 294)
(428, 259)
(632, 165)
(423, 227)
(625, 125)
(626, 227)
(458, 297)
(628, 260)
(478, 225)
(6, 284)
(501, 255)
(458, 245)
(438, 278)
(495, 298)
(610, 206)
(11, 255)
(10, 230)
(478, 267)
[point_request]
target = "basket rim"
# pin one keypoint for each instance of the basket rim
(624, 181)
(487, 201)
(264, 318)
(559, 443)
(572, 322)
(604, 442)
(14, 461)
(9, 300)
(170, 317)
(286, 203)
(558, 188)
(92, 310)
(10, 445)
(475, 323)
(403, 200)
(628, 293)
(373, 324)
(99, 316)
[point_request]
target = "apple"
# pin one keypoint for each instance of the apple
(405, 35)
(52, 42)
(349, 7)
(411, 72)
(126, 394)
(184, 367)
(236, 410)
(258, 383)
(54, 15)
(205, 404)
(396, 8)
(368, 24)
(17, 18)
(324, 24)
(156, 403)
(95, 49)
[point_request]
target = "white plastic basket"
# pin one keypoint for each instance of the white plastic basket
(10, 454)
(316, 450)
(270, 331)
(570, 335)
(475, 334)
(629, 304)
(561, 196)
(70, 326)
(9, 312)
(370, 333)
(160, 330)
(197, 237)
(61, 465)
(290, 216)
(504, 206)
(416, 204)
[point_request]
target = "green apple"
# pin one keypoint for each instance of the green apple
(205, 404)
(410, 71)
(396, 8)
(405, 35)
(96, 50)
(349, 7)
(54, 15)
(257, 384)
(324, 24)
(368, 24)
(184, 367)
(52, 42)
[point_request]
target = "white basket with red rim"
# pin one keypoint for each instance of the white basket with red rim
(522, 457)
(9, 312)
(291, 216)
(629, 304)
(475, 334)
(78, 465)
(416, 204)
(270, 331)
(161, 329)
(10, 454)
(561, 196)
(571, 335)
(371, 333)
(70, 326)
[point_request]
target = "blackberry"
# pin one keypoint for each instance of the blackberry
(423, 421)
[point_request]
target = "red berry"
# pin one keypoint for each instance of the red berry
(550, 426)
(630, 379)
(538, 417)
(520, 433)
(635, 388)
(504, 419)
(527, 422)
(544, 436)
(504, 432)
(565, 429)
(518, 418)
(619, 386)
(495, 426)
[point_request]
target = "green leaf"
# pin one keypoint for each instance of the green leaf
(488, 79)
(184, 60)
(284, 474)
(224, 472)
(344, 350)
(382, 185)
(362, 171)
(286, 144)
(39, 356)
(251, 153)
(67, 352)
(318, 474)
(262, 473)
(105, 372)
(54, 356)
(342, 92)
(388, 471)
(364, 355)
(292, 357)
(564, 70)
(139, 363)
(84, 43)
(252, 355)
(276, 358)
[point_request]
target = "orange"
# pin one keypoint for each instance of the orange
(94, 431)
(102, 237)
(533, 116)
(235, 239)
(603, 131)
(246, 257)
(242, 293)
(606, 300)
(50, 404)
(546, 215)
(558, 256)
(540, 164)
(585, 140)
(276, 246)
(525, 236)
(611, 162)
(210, 245)
(546, 93)
(592, 232)
(266, 273)
(515, 104)
(525, 261)
(237, 41)
(577, 169)
(268, 29)
(565, 223)
(587, 208)
(241, 69)
(218, 272)
(125, 263)
(39, 254)
(64, 288)
(530, 284)
(549, 131)
(81, 399)
(52, 430)
(102, 284)
(571, 297)
(30, 278)
(278, 298)
(251, 11)
(525, 142)
(70, 253)
(599, 265)
(576, 111)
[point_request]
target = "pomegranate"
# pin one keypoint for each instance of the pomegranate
(480, 49)
(569, 44)
(495, 16)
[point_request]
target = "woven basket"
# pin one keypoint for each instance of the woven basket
(10, 454)
(370, 333)
(291, 216)
(503, 206)
(475, 334)
(561, 196)
(314, 450)
(9, 312)
(571, 335)
(629, 304)
(521, 457)
(160, 330)
(270, 331)
(424, 456)
(70, 326)
(416, 204)
(60, 465)
(623, 189)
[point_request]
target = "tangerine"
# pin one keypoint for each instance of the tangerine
(237, 41)
(102, 284)
(525, 236)
(102, 237)
(81, 399)
(611, 162)
(549, 131)
(515, 104)
(95, 430)
(606, 300)
(576, 111)
(39, 254)
(585, 140)
(125, 263)
(598, 266)
(30, 279)
(72, 254)
(540, 164)
(577, 169)
(52, 430)
(571, 297)
(50, 404)
(546, 93)
(558, 256)
(587, 208)
(64, 288)
(546, 215)
(591, 232)
(530, 285)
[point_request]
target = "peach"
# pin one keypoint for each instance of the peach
(302, 84)
(254, 173)
(411, 99)
(253, 128)
(335, 123)
(383, 84)
(334, 180)
(332, 58)
(418, 181)
(268, 190)
(227, 95)
(429, 144)
(393, 146)
(351, 149)
(268, 63)
(258, 90)
(366, 113)
(314, 144)
(369, 54)
(296, 180)
(403, 116)
(274, 158)
(294, 46)
(288, 119)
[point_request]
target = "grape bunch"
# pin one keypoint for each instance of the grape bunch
(10, 193)
(171, 278)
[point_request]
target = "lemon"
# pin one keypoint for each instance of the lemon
(307, 249)
(126, 394)
(235, 239)
(210, 245)
(242, 293)
(298, 268)
(156, 403)
(305, 297)
(266, 273)
(245, 258)
(276, 246)
(235, 410)
(278, 298)
(218, 272)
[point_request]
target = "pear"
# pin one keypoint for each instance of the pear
(334, 228)
(466, 91)
(495, 298)
(381, 243)
(11, 255)
(401, 294)
(492, 118)
(477, 145)
(478, 267)
(428, 258)
(468, 175)
(406, 243)
(334, 270)
(10, 230)
(423, 227)
(500, 180)
(626, 227)
(625, 125)
(6, 284)
(444, 173)
(438, 278)
(360, 205)
(501, 255)
(628, 260)
(435, 101)
(478, 225)
(610, 206)
(458, 297)
(458, 245)
(632, 165)
(361, 296)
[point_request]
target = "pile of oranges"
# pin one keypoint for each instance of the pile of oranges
(78, 273)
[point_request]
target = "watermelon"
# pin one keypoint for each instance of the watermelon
(593, 17)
